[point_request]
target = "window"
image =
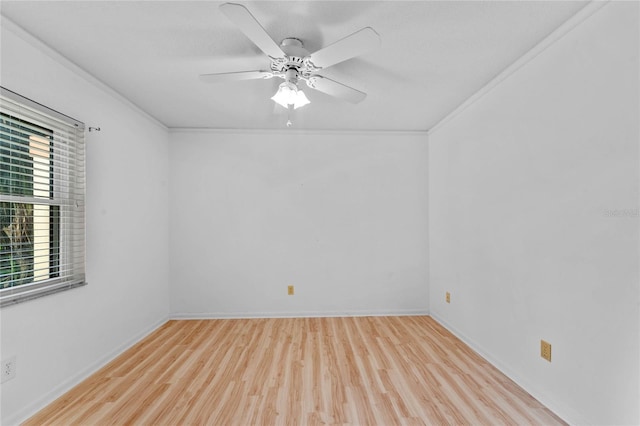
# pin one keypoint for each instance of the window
(41, 200)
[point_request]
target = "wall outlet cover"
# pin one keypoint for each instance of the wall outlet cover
(545, 350)
(8, 371)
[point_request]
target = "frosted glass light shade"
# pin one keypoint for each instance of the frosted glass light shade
(289, 94)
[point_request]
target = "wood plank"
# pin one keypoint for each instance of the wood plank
(362, 370)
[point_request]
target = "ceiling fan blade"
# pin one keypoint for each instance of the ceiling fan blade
(241, 16)
(235, 76)
(333, 88)
(353, 45)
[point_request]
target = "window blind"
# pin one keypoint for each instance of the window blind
(42, 192)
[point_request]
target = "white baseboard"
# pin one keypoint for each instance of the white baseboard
(568, 415)
(37, 405)
(302, 314)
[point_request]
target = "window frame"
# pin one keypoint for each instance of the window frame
(68, 197)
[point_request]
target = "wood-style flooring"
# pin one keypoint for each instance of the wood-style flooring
(298, 371)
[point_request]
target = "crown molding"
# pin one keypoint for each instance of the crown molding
(35, 42)
(295, 132)
(583, 14)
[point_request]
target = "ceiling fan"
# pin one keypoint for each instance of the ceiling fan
(291, 62)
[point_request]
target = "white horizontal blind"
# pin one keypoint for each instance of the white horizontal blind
(42, 187)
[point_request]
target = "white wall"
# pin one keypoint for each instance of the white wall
(521, 183)
(58, 339)
(341, 216)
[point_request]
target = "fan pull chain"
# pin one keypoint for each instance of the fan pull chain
(289, 109)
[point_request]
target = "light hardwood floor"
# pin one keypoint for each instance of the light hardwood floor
(359, 371)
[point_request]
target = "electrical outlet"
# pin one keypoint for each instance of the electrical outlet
(290, 290)
(8, 369)
(545, 350)
(448, 297)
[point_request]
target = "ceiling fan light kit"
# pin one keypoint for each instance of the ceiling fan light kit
(291, 62)
(288, 94)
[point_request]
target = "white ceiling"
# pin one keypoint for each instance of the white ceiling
(434, 55)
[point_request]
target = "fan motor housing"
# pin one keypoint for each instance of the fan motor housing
(295, 59)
